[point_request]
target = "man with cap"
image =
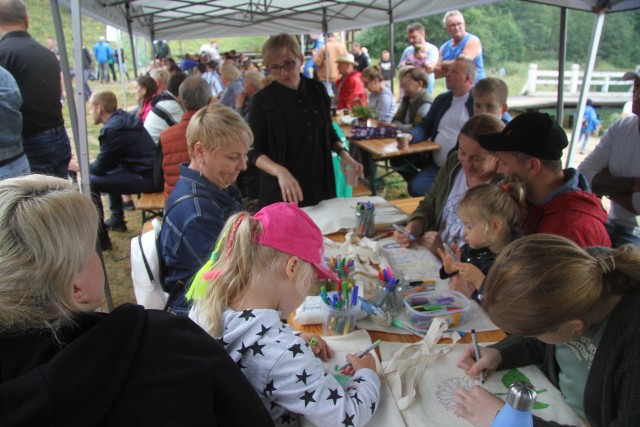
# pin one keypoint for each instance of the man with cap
(559, 201)
(350, 87)
(612, 169)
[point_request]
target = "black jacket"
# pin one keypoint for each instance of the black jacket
(125, 142)
(132, 367)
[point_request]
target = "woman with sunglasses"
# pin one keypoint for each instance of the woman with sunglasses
(293, 131)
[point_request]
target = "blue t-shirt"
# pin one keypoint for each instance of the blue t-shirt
(450, 52)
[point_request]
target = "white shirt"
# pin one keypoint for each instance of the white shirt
(451, 227)
(618, 150)
(449, 128)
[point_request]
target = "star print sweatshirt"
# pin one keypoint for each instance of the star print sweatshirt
(289, 378)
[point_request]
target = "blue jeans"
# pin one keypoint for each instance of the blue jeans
(422, 182)
(18, 167)
(622, 235)
(49, 152)
(116, 182)
(584, 137)
(87, 89)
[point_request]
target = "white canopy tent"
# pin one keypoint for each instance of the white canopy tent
(187, 19)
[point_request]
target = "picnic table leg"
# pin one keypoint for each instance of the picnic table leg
(373, 175)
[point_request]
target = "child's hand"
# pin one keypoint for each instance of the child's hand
(477, 406)
(450, 266)
(358, 363)
(457, 283)
(318, 346)
(490, 358)
(471, 274)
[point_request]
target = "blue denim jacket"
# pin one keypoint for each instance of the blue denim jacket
(10, 116)
(192, 227)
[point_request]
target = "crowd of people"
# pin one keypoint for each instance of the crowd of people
(215, 130)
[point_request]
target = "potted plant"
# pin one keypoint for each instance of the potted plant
(362, 113)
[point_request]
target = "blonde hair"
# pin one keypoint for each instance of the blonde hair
(541, 281)
(216, 126)
(254, 78)
(161, 77)
(487, 202)
(239, 261)
(279, 45)
(48, 234)
(230, 71)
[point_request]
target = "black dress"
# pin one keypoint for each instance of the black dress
(294, 129)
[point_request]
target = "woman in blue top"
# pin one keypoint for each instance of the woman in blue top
(218, 141)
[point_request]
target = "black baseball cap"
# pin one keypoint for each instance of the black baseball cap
(535, 134)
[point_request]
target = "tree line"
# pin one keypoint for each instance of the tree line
(520, 31)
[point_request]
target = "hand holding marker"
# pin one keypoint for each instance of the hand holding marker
(476, 349)
(405, 232)
(449, 251)
(359, 356)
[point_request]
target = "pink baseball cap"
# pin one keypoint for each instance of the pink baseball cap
(289, 229)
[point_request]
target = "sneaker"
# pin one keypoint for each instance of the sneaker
(114, 224)
(128, 206)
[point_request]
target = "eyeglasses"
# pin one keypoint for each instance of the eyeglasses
(287, 66)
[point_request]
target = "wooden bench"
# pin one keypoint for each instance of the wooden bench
(151, 205)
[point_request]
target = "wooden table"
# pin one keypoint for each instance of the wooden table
(383, 149)
(407, 205)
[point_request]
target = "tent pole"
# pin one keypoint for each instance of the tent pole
(586, 82)
(391, 39)
(82, 145)
(562, 56)
(325, 30)
(64, 66)
(133, 46)
(120, 51)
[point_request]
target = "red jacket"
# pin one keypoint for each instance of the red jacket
(174, 151)
(351, 89)
(576, 215)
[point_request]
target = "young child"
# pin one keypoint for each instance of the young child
(260, 271)
(491, 217)
(418, 58)
(490, 96)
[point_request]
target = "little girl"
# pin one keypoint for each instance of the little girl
(491, 217)
(418, 58)
(260, 271)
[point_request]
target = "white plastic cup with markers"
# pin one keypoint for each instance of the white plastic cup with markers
(339, 318)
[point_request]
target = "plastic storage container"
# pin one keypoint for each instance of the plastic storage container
(423, 307)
